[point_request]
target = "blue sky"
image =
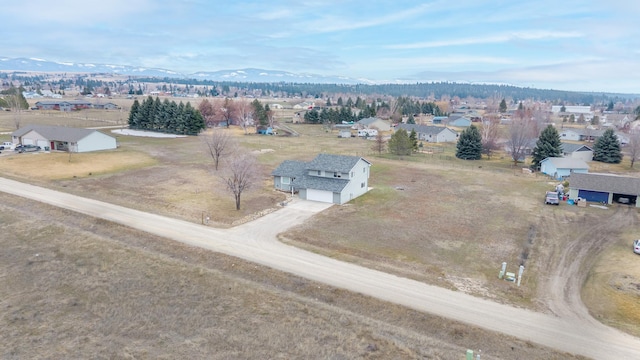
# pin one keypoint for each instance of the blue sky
(562, 44)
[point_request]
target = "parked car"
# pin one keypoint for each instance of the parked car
(28, 148)
(636, 246)
(552, 198)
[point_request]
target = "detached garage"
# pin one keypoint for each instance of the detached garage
(64, 138)
(605, 188)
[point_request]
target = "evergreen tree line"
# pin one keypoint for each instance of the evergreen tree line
(165, 116)
(422, 90)
(335, 115)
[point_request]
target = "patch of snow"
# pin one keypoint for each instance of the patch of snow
(36, 59)
(143, 133)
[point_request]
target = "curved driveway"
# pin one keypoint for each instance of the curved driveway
(256, 242)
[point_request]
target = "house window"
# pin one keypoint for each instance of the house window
(319, 172)
(285, 180)
(362, 185)
(352, 174)
(364, 170)
(337, 174)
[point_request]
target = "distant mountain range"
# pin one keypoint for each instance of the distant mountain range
(240, 75)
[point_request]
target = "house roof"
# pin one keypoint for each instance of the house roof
(290, 168)
(327, 162)
(567, 163)
(58, 102)
(59, 133)
(424, 129)
(334, 163)
(320, 183)
(368, 121)
(569, 147)
(606, 182)
(585, 132)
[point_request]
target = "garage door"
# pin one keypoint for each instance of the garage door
(43, 143)
(595, 196)
(320, 195)
(27, 142)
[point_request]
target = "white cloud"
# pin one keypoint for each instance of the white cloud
(491, 39)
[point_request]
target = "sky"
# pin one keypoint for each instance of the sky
(579, 45)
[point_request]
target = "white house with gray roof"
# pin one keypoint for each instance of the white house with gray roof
(374, 123)
(327, 178)
(432, 134)
(560, 168)
(605, 188)
(63, 138)
(577, 151)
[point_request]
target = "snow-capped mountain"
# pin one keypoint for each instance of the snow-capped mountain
(240, 75)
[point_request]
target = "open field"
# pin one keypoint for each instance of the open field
(77, 287)
(429, 217)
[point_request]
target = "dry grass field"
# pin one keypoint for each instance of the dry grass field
(76, 287)
(429, 216)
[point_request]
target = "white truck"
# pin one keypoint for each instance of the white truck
(7, 145)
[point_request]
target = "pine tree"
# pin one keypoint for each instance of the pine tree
(413, 138)
(469, 146)
(607, 148)
(503, 106)
(399, 143)
(548, 145)
(134, 115)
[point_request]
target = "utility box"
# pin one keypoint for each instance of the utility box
(469, 354)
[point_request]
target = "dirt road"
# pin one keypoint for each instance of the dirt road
(256, 242)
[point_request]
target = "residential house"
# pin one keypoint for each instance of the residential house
(577, 151)
(327, 178)
(560, 168)
(460, 122)
(67, 105)
(63, 138)
(306, 105)
(107, 106)
(605, 188)
(588, 134)
(432, 134)
(374, 123)
(437, 120)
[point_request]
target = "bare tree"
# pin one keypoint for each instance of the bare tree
(225, 110)
(490, 132)
(208, 112)
(241, 174)
(379, 143)
(245, 113)
(633, 148)
(15, 101)
(219, 144)
(521, 135)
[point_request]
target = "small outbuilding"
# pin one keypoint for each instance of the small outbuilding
(561, 168)
(63, 138)
(605, 188)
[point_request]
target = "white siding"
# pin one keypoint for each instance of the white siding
(320, 195)
(96, 141)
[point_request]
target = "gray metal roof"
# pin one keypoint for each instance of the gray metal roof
(368, 121)
(606, 183)
(424, 129)
(290, 168)
(58, 102)
(569, 148)
(57, 133)
(334, 163)
(320, 183)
